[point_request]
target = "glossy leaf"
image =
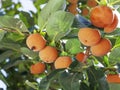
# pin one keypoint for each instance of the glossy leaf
(114, 86)
(115, 55)
(73, 46)
(84, 86)
(29, 53)
(15, 37)
(27, 19)
(12, 46)
(59, 23)
(5, 55)
(70, 81)
(45, 82)
(97, 79)
(2, 33)
(3, 79)
(49, 9)
(6, 3)
(13, 63)
(13, 23)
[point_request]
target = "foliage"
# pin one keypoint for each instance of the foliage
(60, 29)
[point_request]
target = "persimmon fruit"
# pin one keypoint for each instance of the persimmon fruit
(110, 28)
(36, 42)
(89, 36)
(102, 48)
(85, 12)
(48, 54)
(101, 16)
(113, 78)
(80, 56)
(91, 3)
(37, 68)
(62, 62)
(72, 8)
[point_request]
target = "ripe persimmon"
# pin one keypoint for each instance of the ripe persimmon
(80, 56)
(48, 54)
(110, 28)
(85, 12)
(36, 42)
(73, 1)
(89, 36)
(102, 48)
(101, 16)
(113, 78)
(62, 62)
(73, 9)
(91, 3)
(37, 68)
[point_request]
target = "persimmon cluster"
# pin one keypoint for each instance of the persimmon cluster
(47, 54)
(72, 7)
(86, 9)
(104, 18)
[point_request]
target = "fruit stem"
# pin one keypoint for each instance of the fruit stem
(110, 68)
(103, 2)
(86, 54)
(52, 43)
(64, 53)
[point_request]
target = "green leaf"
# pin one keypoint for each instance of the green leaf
(26, 18)
(115, 33)
(5, 55)
(3, 78)
(31, 84)
(97, 79)
(115, 55)
(59, 24)
(15, 63)
(8, 45)
(84, 86)
(45, 82)
(6, 3)
(2, 33)
(12, 23)
(73, 33)
(70, 81)
(29, 53)
(117, 42)
(14, 36)
(51, 7)
(73, 46)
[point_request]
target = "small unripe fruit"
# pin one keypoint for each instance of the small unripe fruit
(73, 9)
(113, 78)
(102, 48)
(85, 11)
(91, 3)
(37, 68)
(89, 36)
(48, 54)
(80, 56)
(36, 42)
(62, 62)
